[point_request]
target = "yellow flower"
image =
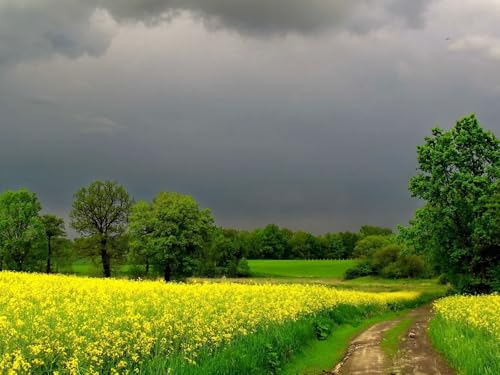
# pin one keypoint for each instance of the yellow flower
(478, 312)
(84, 325)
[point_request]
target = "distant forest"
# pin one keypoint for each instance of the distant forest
(170, 230)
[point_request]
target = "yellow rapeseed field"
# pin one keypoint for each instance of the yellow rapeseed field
(65, 324)
(478, 312)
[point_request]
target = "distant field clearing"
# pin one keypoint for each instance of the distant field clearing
(300, 268)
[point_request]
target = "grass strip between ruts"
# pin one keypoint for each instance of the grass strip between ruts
(392, 337)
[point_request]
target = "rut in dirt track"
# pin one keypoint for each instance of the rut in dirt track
(415, 356)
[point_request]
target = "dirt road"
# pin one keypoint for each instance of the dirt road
(415, 356)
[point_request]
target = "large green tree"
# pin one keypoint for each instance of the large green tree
(21, 231)
(332, 246)
(173, 230)
(100, 212)
(223, 255)
(458, 177)
(54, 228)
(142, 231)
(271, 242)
(304, 245)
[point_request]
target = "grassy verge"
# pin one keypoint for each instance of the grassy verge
(470, 351)
(86, 267)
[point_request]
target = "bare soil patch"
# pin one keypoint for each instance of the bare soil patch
(364, 355)
(415, 356)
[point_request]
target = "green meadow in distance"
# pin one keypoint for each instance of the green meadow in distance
(300, 268)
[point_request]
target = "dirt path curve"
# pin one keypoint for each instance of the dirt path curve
(415, 356)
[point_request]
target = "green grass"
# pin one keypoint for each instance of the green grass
(470, 351)
(300, 268)
(86, 267)
(392, 337)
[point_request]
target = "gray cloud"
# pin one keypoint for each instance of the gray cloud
(488, 45)
(100, 125)
(36, 29)
(411, 11)
(41, 28)
(277, 16)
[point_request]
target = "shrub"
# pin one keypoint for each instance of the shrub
(443, 279)
(385, 256)
(322, 328)
(386, 259)
(405, 266)
(366, 247)
(362, 269)
(136, 272)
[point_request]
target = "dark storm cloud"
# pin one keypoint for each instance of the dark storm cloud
(302, 113)
(276, 16)
(246, 16)
(72, 28)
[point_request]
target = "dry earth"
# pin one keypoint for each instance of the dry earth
(415, 356)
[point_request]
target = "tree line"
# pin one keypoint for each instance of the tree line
(170, 235)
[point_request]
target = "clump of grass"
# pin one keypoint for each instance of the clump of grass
(471, 351)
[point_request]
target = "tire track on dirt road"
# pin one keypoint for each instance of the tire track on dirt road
(415, 355)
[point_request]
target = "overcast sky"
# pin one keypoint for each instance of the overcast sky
(302, 113)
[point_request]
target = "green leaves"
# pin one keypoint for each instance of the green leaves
(21, 230)
(100, 213)
(458, 174)
(53, 225)
(170, 232)
(101, 209)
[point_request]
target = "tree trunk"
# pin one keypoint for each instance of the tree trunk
(49, 254)
(19, 263)
(167, 272)
(147, 266)
(106, 259)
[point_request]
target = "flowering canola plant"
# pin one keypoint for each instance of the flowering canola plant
(477, 312)
(66, 324)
